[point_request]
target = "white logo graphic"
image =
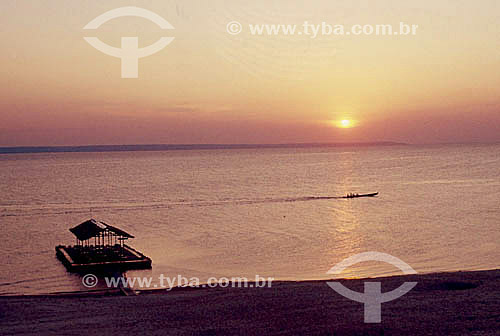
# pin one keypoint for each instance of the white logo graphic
(89, 280)
(373, 296)
(234, 27)
(129, 52)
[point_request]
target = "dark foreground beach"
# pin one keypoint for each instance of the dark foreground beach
(458, 303)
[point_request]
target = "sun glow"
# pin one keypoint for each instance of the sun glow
(345, 123)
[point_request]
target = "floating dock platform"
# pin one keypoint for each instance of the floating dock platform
(91, 260)
(108, 252)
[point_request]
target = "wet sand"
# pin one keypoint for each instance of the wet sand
(458, 303)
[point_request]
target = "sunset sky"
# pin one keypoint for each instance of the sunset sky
(207, 86)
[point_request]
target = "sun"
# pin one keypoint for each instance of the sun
(346, 123)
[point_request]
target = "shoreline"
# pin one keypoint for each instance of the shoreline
(461, 302)
(251, 285)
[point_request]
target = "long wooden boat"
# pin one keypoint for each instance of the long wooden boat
(360, 195)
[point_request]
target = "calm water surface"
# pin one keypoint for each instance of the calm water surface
(247, 212)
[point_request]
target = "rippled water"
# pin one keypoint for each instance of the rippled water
(254, 211)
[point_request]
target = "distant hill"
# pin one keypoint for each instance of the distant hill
(143, 148)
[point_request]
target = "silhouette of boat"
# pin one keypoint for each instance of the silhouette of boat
(360, 195)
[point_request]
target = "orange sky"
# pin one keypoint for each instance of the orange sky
(207, 86)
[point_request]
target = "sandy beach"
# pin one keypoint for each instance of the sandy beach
(457, 303)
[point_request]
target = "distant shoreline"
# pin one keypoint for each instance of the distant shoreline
(172, 147)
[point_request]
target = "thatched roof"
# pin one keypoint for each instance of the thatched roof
(92, 228)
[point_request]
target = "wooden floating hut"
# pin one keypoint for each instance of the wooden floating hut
(100, 248)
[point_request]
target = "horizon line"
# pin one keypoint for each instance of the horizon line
(167, 147)
(214, 146)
